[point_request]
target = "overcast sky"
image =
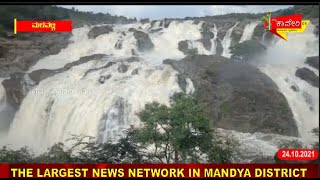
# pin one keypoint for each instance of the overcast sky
(175, 11)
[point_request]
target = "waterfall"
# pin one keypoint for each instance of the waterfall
(248, 31)
(213, 49)
(281, 63)
(226, 42)
(67, 103)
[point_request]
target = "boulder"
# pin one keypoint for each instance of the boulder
(183, 46)
(99, 30)
(102, 79)
(133, 59)
(17, 88)
(135, 71)
(122, 68)
(219, 48)
(237, 95)
(166, 23)
(258, 32)
(206, 35)
(144, 42)
(118, 44)
(237, 33)
(308, 75)
(155, 30)
(41, 74)
(313, 61)
(295, 88)
(224, 28)
(206, 44)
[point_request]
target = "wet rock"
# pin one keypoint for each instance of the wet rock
(144, 21)
(99, 30)
(133, 59)
(135, 71)
(19, 55)
(309, 76)
(122, 68)
(183, 46)
(206, 44)
(96, 69)
(166, 23)
(161, 23)
(155, 30)
(102, 79)
(144, 42)
(207, 26)
(237, 96)
(313, 61)
(295, 88)
(224, 28)
(196, 22)
(307, 98)
(237, 33)
(219, 48)
(20, 83)
(134, 52)
(42, 74)
(17, 88)
(206, 35)
(84, 59)
(118, 44)
(152, 23)
(182, 82)
(258, 32)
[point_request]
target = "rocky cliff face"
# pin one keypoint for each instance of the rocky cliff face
(18, 55)
(237, 95)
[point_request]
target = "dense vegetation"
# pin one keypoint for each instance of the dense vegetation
(45, 12)
(307, 11)
(176, 134)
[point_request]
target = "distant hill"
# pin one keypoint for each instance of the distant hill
(45, 12)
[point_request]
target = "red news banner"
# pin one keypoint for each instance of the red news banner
(158, 170)
(42, 26)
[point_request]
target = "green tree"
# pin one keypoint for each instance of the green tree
(87, 150)
(22, 155)
(291, 144)
(55, 154)
(181, 134)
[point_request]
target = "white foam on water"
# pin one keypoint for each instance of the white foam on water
(248, 31)
(65, 104)
(281, 63)
(213, 41)
(226, 42)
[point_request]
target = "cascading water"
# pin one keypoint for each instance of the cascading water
(281, 63)
(226, 42)
(213, 41)
(67, 103)
(248, 31)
